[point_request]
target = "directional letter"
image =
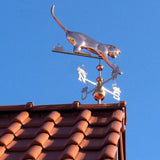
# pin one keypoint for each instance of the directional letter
(82, 75)
(116, 92)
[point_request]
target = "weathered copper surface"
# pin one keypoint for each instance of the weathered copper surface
(81, 41)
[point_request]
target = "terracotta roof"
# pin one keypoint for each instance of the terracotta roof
(69, 131)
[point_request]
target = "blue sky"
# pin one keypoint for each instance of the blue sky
(31, 72)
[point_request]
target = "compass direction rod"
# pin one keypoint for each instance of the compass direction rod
(93, 83)
(106, 81)
(115, 93)
(85, 93)
(108, 91)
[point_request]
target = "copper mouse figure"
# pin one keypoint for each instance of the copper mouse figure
(81, 41)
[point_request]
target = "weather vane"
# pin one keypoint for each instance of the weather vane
(81, 41)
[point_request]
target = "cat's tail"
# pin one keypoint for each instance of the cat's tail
(52, 12)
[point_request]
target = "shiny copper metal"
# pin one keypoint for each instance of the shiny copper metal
(99, 94)
(100, 67)
(99, 79)
(81, 41)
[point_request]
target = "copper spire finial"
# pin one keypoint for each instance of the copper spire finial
(99, 92)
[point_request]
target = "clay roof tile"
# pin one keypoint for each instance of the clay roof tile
(26, 133)
(40, 139)
(118, 115)
(2, 131)
(14, 127)
(116, 126)
(18, 145)
(6, 139)
(108, 152)
(32, 153)
(21, 117)
(85, 115)
(46, 127)
(53, 116)
(76, 138)
(102, 131)
(49, 155)
(61, 132)
(92, 144)
(81, 126)
(70, 152)
(99, 143)
(57, 144)
(2, 150)
(68, 132)
(112, 138)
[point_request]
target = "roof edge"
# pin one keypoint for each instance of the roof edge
(7, 108)
(75, 105)
(120, 105)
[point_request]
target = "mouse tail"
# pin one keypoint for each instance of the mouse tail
(52, 12)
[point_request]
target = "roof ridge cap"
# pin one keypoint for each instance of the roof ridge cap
(105, 106)
(75, 105)
(23, 107)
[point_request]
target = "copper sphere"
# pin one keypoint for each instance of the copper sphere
(99, 79)
(99, 94)
(100, 67)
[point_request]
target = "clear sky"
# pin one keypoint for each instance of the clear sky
(31, 72)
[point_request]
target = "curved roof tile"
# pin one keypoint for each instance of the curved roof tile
(70, 131)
